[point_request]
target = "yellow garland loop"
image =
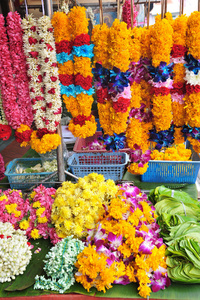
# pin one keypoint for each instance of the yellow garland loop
(192, 106)
(145, 43)
(135, 43)
(145, 93)
(71, 105)
(179, 71)
(78, 21)
(66, 68)
(47, 143)
(136, 134)
(178, 136)
(84, 131)
(195, 144)
(104, 116)
(136, 98)
(60, 23)
(180, 27)
(82, 65)
(134, 169)
(179, 114)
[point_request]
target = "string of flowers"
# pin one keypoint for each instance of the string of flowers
(125, 246)
(83, 124)
(2, 167)
(37, 223)
(178, 92)
(77, 206)
(126, 14)
(192, 128)
(5, 129)
(8, 91)
(61, 271)
(16, 252)
(18, 58)
(161, 73)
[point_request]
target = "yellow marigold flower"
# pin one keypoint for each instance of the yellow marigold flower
(134, 169)
(180, 26)
(192, 107)
(17, 213)
(84, 131)
(35, 234)
(145, 43)
(179, 73)
(100, 38)
(11, 207)
(36, 204)
(135, 43)
(47, 143)
(144, 290)
(179, 114)
(135, 134)
(32, 195)
(195, 144)
(142, 276)
(71, 105)
(66, 68)
(85, 104)
(193, 35)
(130, 270)
(141, 262)
(40, 211)
(78, 21)
(135, 95)
(24, 225)
(68, 224)
(162, 115)
(118, 121)
(61, 26)
(42, 220)
(178, 136)
(82, 65)
(125, 250)
(65, 212)
(104, 116)
(161, 41)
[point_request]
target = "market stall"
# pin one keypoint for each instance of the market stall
(119, 216)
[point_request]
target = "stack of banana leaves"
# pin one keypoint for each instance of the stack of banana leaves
(179, 220)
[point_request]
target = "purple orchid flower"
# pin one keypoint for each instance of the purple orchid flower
(115, 241)
(124, 280)
(160, 281)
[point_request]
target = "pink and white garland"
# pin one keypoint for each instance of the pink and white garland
(18, 58)
(50, 75)
(36, 86)
(8, 91)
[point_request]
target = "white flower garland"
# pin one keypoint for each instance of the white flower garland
(3, 120)
(15, 253)
(36, 86)
(49, 70)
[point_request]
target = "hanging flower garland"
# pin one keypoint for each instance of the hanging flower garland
(193, 80)
(82, 125)
(126, 14)
(5, 129)
(177, 57)
(8, 91)
(161, 44)
(14, 31)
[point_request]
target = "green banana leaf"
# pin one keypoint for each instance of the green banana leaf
(35, 267)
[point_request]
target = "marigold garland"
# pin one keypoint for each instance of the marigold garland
(145, 43)
(137, 170)
(178, 136)
(175, 153)
(47, 143)
(161, 110)
(193, 34)
(104, 117)
(83, 131)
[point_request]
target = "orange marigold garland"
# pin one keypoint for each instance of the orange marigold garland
(192, 103)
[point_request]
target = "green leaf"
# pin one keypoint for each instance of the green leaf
(34, 268)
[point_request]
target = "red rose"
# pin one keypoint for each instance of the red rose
(41, 132)
(64, 46)
(178, 88)
(32, 90)
(33, 28)
(49, 104)
(5, 132)
(82, 39)
(43, 108)
(24, 136)
(66, 79)
(39, 98)
(102, 95)
(190, 89)
(121, 105)
(81, 119)
(53, 78)
(56, 123)
(42, 89)
(84, 82)
(32, 40)
(33, 54)
(162, 90)
(49, 47)
(178, 51)
(52, 91)
(33, 101)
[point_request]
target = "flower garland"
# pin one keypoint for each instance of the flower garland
(82, 52)
(2, 167)
(177, 57)
(161, 44)
(8, 91)
(37, 223)
(15, 252)
(193, 78)
(60, 272)
(15, 35)
(126, 14)
(125, 246)
(175, 153)
(77, 205)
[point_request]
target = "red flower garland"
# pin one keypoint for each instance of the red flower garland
(102, 95)
(191, 89)
(66, 79)
(121, 105)
(81, 119)
(82, 39)
(178, 51)
(64, 46)
(84, 82)
(160, 91)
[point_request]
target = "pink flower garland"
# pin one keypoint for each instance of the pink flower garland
(126, 14)
(8, 90)
(2, 167)
(14, 31)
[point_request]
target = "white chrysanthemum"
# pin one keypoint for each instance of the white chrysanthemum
(15, 254)
(191, 78)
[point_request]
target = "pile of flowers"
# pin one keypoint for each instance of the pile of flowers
(59, 266)
(176, 153)
(124, 246)
(15, 252)
(77, 206)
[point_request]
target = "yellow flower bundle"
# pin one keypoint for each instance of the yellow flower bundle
(104, 117)
(193, 34)
(145, 43)
(47, 143)
(134, 169)
(175, 153)
(161, 110)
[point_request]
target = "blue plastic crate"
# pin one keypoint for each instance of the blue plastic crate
(171, 171)
(111, 165)
(26, 180)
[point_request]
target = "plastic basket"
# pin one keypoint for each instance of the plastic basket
(83, 143)
(171, 171)
(26, 180)
(111, 165)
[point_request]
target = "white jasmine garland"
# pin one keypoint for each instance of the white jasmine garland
(31, 48)
(50, 73)
(59, 266)
(191, 78)
(15, 253)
